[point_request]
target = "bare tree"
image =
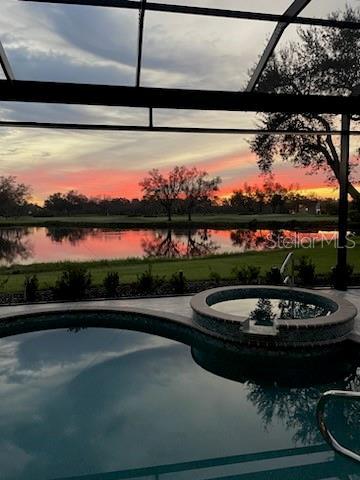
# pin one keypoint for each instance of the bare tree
(197, 187)
(325, 61)
(165, 189)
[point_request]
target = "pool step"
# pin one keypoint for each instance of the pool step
(252, 329)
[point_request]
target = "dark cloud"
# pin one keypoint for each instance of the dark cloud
(63, 67)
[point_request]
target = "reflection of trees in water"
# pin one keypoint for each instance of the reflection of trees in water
(267, 310)
(256, 239)
(14, 245)
(295, 408)
(172, 244)
(161, 245)
(72, 235)
(290, 309)
(268, 239)
(285, 387)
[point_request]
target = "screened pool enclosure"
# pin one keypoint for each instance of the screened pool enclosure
(140, 88)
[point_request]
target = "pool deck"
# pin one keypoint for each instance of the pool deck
(179, 305)
(353, 296)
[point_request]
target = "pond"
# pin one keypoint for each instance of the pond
(45, 244)
(104, 404)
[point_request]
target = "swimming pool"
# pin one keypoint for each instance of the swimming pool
(105, 404)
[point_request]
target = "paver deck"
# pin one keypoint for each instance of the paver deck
(178, 305)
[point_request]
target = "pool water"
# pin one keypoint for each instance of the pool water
(266, 310)
(90, 402)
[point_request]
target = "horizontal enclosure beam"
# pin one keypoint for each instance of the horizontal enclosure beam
(163, 129)
(86, 94)
(209, 12)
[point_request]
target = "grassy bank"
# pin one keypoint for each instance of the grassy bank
(215, 221)
(194, 269)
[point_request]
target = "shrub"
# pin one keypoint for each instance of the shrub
(247, 274)
(349, 274)
(214, 276)
(3, 283)
(273, 276)
(148, 282)
(111, 283)
(263, 313)
(73, 283)
(178, 282)
(31, 288)
(305, 271)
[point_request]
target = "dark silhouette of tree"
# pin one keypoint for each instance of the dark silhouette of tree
(181, 186)
(69, 203)
(164, 189)
(325, 61)
(275, 195)
(246, 198)
(197, 187)
(13, 196)
(56, 203)
(271, 196)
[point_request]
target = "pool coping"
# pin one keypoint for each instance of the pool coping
(156, 321)
(166, 324)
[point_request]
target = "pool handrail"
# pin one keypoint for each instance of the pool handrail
(289, 279)
(328, 436)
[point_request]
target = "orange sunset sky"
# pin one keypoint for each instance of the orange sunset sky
(121, 176)
(103, 164)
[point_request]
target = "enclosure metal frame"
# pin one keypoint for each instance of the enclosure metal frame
(150, 98)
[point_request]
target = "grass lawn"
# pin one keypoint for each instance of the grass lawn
(194, 269)
(178, 220)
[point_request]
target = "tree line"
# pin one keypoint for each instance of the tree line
(180, 191)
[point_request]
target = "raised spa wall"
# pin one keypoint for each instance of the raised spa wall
(325, 330)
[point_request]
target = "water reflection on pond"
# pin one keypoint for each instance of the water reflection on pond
(46, 244)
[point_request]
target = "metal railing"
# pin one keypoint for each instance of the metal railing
(328, 436)
(289, 279)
